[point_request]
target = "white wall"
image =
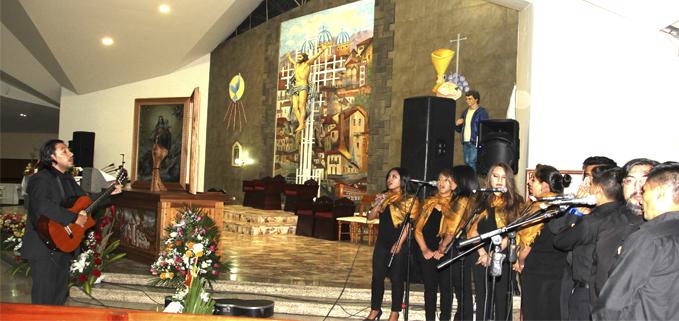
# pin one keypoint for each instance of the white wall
(110, 113)
(600, 84)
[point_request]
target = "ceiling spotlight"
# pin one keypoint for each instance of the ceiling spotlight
(23, 115)
(164, 9)
(107, 41)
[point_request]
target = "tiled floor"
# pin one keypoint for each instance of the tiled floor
(282, 259)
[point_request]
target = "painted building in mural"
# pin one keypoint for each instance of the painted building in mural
(343, 72)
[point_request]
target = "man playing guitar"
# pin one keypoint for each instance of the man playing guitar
(47, 190)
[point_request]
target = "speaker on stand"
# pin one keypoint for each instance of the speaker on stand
(498, 142)
(82, 147)
(428, 137)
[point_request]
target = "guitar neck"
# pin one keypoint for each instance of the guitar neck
(95, 204)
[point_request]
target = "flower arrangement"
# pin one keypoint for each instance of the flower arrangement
(32, 166)
(95, 253)
(189, 260)
(13, 226)
(191, 242)
(192, 298)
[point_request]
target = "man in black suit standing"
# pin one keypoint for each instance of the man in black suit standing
(47, 190)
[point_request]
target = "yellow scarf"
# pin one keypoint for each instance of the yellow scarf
(398, 207)
(527, 234)
(499, 204)
(429, 205)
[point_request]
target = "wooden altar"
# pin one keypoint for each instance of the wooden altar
(141, 216)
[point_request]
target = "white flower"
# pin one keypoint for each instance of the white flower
(204, 265)
(199, 238)
(78, 265)
(205, 296)
(198, 247)
(173, 234)
(174, 307)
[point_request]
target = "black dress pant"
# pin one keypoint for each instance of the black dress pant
(435, 279)
(466, 295)
(499, 311)
(540, 296)
(50, 279)
(397, 273)
(578, 304)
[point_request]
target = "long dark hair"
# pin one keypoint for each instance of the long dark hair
(405, 178)
(552, 176)
(47, 150)
(512, 197)
(466, 180)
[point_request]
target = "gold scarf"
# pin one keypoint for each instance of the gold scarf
(398, 207)
(429, 205)
(527, 234)
(499, 204)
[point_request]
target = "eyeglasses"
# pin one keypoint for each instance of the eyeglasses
(631, 181)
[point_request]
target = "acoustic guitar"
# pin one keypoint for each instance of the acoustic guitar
(68, 238)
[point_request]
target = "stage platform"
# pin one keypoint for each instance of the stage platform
(304, 276)
(251, 221)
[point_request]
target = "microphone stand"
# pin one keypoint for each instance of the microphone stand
(511, 258)
(512, 227)
(406, 221)
(462, 256)
(496, 269)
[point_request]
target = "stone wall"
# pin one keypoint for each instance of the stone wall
(405, 34)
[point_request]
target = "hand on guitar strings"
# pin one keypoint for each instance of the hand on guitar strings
(82, 219)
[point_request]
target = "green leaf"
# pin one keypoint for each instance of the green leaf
(87, 287)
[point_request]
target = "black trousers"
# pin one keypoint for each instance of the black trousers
(567, 285)
(578, 304)
(50, 279)
(458, 285)
(435, 279)
(499, 311)
(397, 274)
(540, 296)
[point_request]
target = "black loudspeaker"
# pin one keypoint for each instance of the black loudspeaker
(82, 147)
(498, 142)
(428, 137)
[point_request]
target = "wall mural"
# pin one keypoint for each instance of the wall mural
(324, 94)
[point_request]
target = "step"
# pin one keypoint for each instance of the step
(249, 221)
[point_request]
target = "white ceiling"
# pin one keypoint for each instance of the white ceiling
(47, 45)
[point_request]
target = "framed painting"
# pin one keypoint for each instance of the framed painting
(166, 122)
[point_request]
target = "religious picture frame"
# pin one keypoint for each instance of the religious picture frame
(167, 122)
(576, 180)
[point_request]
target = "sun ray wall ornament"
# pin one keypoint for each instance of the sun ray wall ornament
(236, 110)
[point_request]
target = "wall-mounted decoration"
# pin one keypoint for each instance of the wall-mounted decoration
(337, 46)
(441, 58)
(236, 154)
(235, 109)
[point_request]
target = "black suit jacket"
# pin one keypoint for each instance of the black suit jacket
(45, 198)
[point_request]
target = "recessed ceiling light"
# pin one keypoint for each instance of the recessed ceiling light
(23, 115)
(164, 9)
(107, 41)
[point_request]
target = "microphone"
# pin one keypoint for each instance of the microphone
(557, 197)
(377, 200)
(589, 200)
(493, 190)
(432, 183)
